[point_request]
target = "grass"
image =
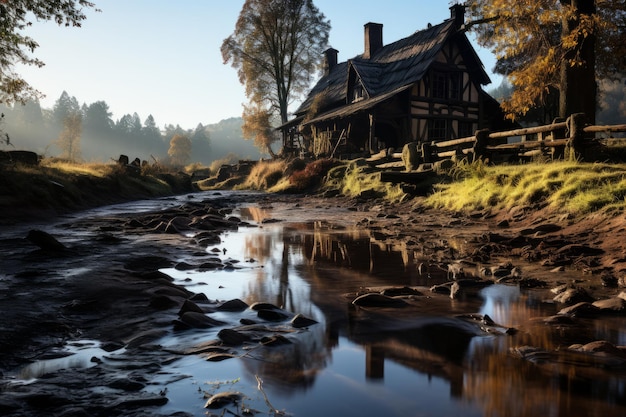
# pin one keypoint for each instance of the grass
(565, 186)
(356, 179)
(58, 186)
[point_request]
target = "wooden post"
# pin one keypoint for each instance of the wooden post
(427, 152)
(480, 147)
(372, 132)
(576, 145)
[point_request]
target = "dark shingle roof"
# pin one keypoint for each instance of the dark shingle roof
(393, 66)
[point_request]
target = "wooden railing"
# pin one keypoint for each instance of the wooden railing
(552, 141)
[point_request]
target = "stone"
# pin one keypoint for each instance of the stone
(378, 300)
(232, 337)
(300, 321)
(233, 305)
(199, 320)
(573, 296)
(582, 309)
(614, 305)
(45, 241)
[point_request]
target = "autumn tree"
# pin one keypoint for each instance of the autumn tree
(276, 47)
(16, 47)
(180, 150)
(548, 47)
(69, 138)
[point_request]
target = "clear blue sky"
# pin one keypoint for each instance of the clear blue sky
(162, 57)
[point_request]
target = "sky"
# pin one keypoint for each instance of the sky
(162, 57)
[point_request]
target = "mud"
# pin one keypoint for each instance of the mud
(106, 285)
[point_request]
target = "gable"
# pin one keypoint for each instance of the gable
(395, 66)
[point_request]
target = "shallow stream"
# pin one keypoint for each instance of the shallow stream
(359, 362)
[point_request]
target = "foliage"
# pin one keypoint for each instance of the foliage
(566, 186)
(275, 48)
(180, 150)
(539, 45)
(69, 138)
(15, 47)
(312, 174)
(355, 179)
(257, 125)
(265, 175)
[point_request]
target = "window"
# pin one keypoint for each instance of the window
(447, 85)
(440, 84)
(437, 129)
(357, 92)
(455, 86)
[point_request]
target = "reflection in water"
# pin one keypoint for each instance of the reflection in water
(422, 360)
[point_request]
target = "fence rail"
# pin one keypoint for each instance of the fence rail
(551, 141)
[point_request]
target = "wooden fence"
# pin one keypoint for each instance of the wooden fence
(551, 141)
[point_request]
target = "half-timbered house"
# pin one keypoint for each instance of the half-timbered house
(423, 88)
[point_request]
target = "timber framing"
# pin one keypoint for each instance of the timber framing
(425, 88)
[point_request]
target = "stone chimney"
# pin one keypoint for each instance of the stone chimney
(373, 39)
(457, 12)
(330, 60)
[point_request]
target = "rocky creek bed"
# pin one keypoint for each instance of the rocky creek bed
(99, 278)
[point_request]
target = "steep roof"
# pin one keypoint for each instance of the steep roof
(393, 67)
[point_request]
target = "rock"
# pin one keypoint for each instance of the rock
(582, 309)
(232, 337)
(45, 241)
(163, 302)
(300, 321)
(126, 384)
(378, 300)
(275, 340)
(222, 399)
(395, 292)
(263, 306)
(614, 305)
(189, 306)
(233, 305)
(272, 315)
(199, 320)
(185, 266)
(573, 296)
(148, 263)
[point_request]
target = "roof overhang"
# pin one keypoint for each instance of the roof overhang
(357, 107)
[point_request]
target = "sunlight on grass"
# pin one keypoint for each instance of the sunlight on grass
(566, 186)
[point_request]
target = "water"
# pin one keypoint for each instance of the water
(424, 361)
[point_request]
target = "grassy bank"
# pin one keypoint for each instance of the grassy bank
(55, 187)
(564, 186)
(569, 187)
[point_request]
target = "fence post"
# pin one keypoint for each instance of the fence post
(480, 147)
(576, 136)
(427, 152)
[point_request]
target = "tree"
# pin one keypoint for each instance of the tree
(276, 47)
(180, 150)
(69, 138)
(15, 47)
(257, 125)
(548, 46)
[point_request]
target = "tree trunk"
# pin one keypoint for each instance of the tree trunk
(578, 83)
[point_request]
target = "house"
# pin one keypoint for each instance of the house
(423, 88)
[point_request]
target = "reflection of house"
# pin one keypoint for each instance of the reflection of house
(423, 88)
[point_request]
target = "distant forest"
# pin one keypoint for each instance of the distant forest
(30, 127)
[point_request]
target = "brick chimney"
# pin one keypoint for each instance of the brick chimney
(457, 12)
(373, 39)
(330, 60)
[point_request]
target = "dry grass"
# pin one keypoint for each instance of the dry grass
(59, 186)
(566, 186)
